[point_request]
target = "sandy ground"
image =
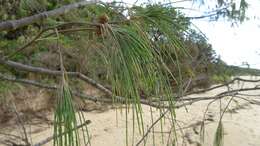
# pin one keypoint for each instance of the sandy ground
(108, 128)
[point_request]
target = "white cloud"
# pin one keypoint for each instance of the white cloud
(234, 44)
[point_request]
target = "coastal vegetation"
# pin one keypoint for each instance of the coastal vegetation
(134, 55)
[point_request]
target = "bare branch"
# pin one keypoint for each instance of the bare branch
(70, 30)
(28, 82)
(222, 85)
(51, 87)
(14, 24)
(28, 68)
(52, 33)
(81, 95)
(212, 88)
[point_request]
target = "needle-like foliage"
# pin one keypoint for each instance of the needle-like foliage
(219, 135)
(67, 119)
(141, 49)
(136, 64)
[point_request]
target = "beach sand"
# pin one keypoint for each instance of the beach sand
(108, 127)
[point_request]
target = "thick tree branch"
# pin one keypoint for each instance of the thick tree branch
(75, 93)
(14, 24)
(51, 87)
(28, 82)
(28, 68)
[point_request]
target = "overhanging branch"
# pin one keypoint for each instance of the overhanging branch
(14, 24)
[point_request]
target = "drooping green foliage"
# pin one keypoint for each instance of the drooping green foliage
(134, 65)
(138, 52)
(219, 135)
(67, 120)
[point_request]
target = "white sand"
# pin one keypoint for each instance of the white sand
(242, 128)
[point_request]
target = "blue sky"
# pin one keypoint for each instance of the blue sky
(235, 44)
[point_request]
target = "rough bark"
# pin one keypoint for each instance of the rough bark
(14, 24)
